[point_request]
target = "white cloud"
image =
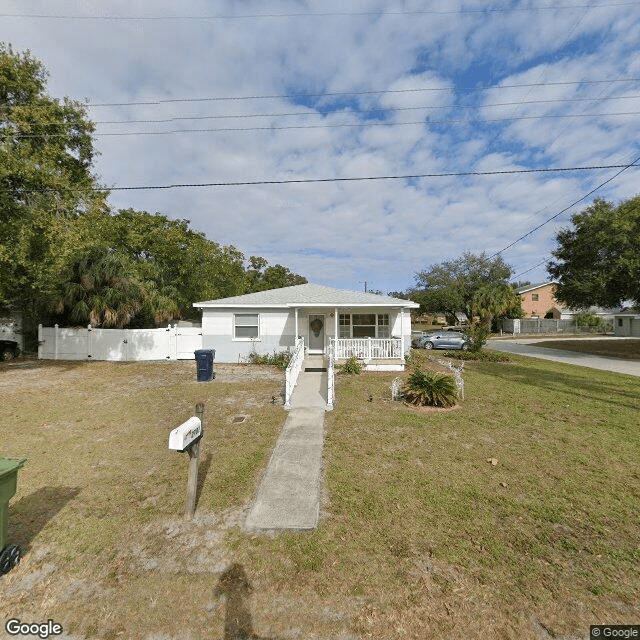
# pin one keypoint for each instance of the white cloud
(342, 233)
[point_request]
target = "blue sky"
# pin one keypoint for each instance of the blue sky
(312, 90)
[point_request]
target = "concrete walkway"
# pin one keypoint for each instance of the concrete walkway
(527, 347)
(289, 494)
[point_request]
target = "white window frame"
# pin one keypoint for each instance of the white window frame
(378, 325)
(255, 338)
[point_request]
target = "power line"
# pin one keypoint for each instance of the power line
(535, 266)
(624, 168)
(358, 112)
(341, 14)
(350, 179)
(370, 123)
(357, 93)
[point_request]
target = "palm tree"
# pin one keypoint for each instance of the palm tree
(492, 300)
(102, 289)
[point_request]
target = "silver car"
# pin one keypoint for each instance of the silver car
(444, 340)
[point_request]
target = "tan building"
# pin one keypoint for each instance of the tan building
(538, 301)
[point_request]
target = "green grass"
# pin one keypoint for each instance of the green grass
(552, 529)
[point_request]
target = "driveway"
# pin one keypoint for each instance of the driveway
(527, 347)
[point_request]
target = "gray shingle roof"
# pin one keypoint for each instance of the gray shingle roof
(309, 295)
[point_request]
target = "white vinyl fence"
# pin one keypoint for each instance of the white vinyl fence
(172, 343)
(537, 325)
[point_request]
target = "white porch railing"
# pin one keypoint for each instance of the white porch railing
(368, 348)
(292, 372)
(331, 380)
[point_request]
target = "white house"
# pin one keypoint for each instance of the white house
(366, 325)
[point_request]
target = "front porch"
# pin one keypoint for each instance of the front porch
(377, 354)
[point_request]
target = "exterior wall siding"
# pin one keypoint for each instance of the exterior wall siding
(276, 333)
(277, 329)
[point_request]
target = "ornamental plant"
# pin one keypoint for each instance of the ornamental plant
(277, 359)
(352, 366)
(430, 389)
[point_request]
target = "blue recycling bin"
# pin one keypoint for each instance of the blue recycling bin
(204, 364)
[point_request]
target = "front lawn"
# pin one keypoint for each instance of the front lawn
(514, 515)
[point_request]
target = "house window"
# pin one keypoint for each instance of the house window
(364, 325)
(245, 326)
(345, 326)
(620, 322)
(535, 297)
(383, 325)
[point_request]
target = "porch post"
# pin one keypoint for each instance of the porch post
(402, 333)
(296, 317)
(335, 325)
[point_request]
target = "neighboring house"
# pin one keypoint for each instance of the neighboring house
(538, 301)
(461, 319)
(367, 325)
(428, 318)
(605, 314)
(11, 327)
(626, 323)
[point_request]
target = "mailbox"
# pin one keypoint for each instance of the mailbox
(187, 434)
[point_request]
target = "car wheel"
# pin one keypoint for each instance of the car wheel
(7, 354)
(428, 345)
(465, 346)
(9, 558)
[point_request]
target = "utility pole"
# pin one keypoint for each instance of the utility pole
(365, 285)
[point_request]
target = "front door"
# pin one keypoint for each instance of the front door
(316, 334)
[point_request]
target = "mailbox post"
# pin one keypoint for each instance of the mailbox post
(187, 438)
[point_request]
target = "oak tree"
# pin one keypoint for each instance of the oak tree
(597, 260)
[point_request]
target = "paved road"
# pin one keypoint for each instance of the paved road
(527, 347)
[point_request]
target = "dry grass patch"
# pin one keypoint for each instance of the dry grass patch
(627, 349)
(100, 499)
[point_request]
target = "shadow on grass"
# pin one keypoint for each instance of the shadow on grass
(32, 362)
(203, 470)
(235, 586)
(589, 385)
(30, 514)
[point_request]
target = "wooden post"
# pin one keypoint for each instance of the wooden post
(192, 480)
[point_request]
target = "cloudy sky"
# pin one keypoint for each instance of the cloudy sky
(316, 95)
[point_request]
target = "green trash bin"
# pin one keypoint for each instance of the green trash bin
(9, 554)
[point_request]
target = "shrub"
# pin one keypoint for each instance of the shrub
(352, 366)
(588, 320)
(280, 360)
(484, 356)
(479, 333)
(431, 389)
